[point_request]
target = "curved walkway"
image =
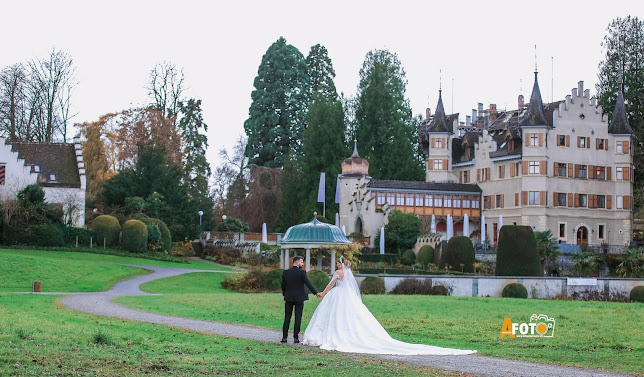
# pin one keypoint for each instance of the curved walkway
(100, 303)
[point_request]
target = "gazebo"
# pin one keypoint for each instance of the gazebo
(311, 235)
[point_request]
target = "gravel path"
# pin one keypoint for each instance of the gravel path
(101, 303)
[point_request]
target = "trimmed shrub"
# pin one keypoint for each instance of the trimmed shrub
(372, 285)
(356, 234)
(380, 258)
(183, 249)
(515, 290)
(84, 235)
(637, 294)
(273, 280)
(412, 287)
(319, 279)
(408, 258)
(460, 251)
(154, 234)
(223, 255)
(439, 290)
(135, 236)
(106, 228)
(252, 281)
(517, 253)
(425, 255)
(166, 236)
(44, 235)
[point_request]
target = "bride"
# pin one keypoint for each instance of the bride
(343, 323)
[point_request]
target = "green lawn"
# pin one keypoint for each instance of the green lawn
(38, 337)
(60, 271)
(603, 335)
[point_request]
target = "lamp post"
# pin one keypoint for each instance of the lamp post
(200, 215)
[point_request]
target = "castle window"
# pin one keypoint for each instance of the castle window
(429, 201)
(438, 202)
(533, 198)
(380, 198)
(409, 200)
(581, 142)
(619, 174)
(600, 173)
(466, 202)
(601, 201)
(476, 202)
(400, 199)
(561, 199)
(561, 140)
(391, 198)
(438, 164)
(600, 143)
(601, 230)
(499, 201)
(486, 202)
(583, 200)
(562, 230)
(620, 202)
(533, 167)
(457, 202)
(534, 140)
(561, 169)
(448, 201)
(466, 176)
(438, 142)
(582, 171)
(419, 200)
(619, 147)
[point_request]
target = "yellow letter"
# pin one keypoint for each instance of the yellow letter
(506, 328)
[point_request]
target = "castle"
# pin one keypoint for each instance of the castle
(559, 166)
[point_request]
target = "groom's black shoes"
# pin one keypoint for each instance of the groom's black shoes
(296, 340)
(283, 340)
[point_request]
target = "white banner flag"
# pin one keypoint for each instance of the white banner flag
(337, 191)
(321, 189)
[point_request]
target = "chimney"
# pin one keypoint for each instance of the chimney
(480, 107)
(580, 88)
(474, 116)
(493, 113)
(521, 101)
(492, 108)
(468, 120)
(428, 113)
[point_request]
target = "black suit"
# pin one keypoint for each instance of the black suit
(293, 282)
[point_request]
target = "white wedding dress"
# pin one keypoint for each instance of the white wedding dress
(343, 323)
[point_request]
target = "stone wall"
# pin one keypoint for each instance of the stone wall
(538, 287)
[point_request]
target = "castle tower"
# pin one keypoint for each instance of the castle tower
(439, 135)
(353, 180)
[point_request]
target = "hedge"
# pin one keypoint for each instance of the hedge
(380, 258)
(135, 236)
(515, 290)
(460, 251)
(85, 236)
(44, 235)
(166, 236)
(408, 258)
(517, 253)
(637, 294)
(273, 281)
(372, 285)
(410, 286)
(106, 228)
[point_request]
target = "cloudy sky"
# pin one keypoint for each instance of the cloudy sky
(485, 49)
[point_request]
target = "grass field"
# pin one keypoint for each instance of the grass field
(37, 337)
(604, 335)
(60, 271)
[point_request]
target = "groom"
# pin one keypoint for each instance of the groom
(293, 281)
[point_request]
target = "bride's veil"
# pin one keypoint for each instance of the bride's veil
(350, 280)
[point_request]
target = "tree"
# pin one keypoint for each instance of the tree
(321, 72)
(547, 247)
(384, 129)
(231, 177)
(195, 144)
(291, 210)
(277, 114)
(166, 88)
(624, 62)
(94, 154)
(401, 232)
(13, 96)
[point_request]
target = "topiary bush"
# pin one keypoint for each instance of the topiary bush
(319, 279)
(439, 290)
(85, 236)
(166, 236)
(517, 253)
(425, 255)
(372, 285)
(637, 294)
(273, 280)
(515, 290)
(460, 251)
(135, 236)
(408, 258)
(412, 287)
(106, 228)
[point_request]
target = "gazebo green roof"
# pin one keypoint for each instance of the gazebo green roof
(315, 233)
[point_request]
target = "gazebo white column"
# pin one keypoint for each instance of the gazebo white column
(286, 258)
(308, 260)
(332, 261)
(282, 258)
(319, 256)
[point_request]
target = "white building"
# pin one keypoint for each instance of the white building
(57, 167)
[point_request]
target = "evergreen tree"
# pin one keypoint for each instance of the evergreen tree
(195, 144)
(292, 195)
(277, 115)
(384, 126)
(321, 72)
(624, 62)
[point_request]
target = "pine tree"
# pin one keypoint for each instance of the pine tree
(384, 126)
(321, 72)
(624, 62)
(277, 115)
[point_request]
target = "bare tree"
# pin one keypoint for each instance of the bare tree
(166, 88)
(232, 176)
(53, 79)
(13, 87)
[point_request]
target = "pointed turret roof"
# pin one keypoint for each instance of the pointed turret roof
(439, 121)
(355, 165)
(619, 125)
(534, 115)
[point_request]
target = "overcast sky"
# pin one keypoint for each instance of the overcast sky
(485, 49)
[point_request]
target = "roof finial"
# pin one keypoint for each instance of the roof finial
(535, 58)
(440, 79)
(355, 148)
